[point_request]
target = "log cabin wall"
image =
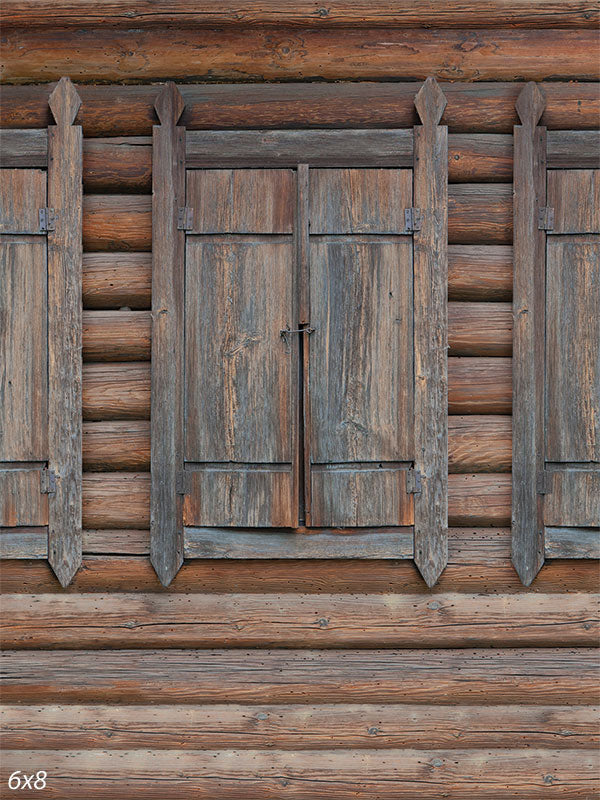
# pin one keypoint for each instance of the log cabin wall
(299, 678)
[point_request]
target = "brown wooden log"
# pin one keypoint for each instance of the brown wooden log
(122, 499)
(416, 14)
(296, 620)
(388, 775)
(118, 165)
(479, 385)
(270, 54)
(480, 213)
(291, 727)
(116, 280)
(116, 445)
(117, 222)
(472, 107)
(116, 335)
(479, 561)
(477, 272)
(446, 677)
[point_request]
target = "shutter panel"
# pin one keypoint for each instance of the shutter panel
(361, 363)
(556, 440)
(240, 372)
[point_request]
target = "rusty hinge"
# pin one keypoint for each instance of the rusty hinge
(182, 483)
(413, 219)
(48, 481)
(413, 482)
(185, 219)
(546, 218)
(47, 219)
(543, 483)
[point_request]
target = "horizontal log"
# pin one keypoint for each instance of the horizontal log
(122, 391)
(187, 677)
(480, 272)
(474, 329)
(117, 164)
(414, 14)
(296, 620)
(279, 54)
(116, 280)
(477, 213)
(291, 727)
(572, 543)
(388, 775)
(116, 445)
(122, 499)
(472, 107)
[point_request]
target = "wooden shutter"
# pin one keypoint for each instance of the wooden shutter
(556, 506)
(286, 340)
(40, 328)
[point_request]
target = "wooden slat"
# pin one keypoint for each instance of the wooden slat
(472, 107)
(116, 391)
(573, 149)
(572, 542)
(291, 727)
(23, 193)
(64, 332)
(244, 54)
(168, 281)
(574, 194)
(438, 14)
(573, 499)
(24, 148)
(445, 677)
(21, 499)
(430, 314)
(30, 543)
(116, 280)
(480, 272)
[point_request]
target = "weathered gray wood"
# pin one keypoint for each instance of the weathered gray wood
(21, 499)
(24, 148)
(573, 347)
(25, 543)
(241, 200)
(387, 544)
(302, 295)
(359, 200)
(572, 542)
(64, 332)
(574, 499)
(317, 148)
(22, 194)
(573, 149)
(528, 334)
(168, 194)
(431, 333)
(574, 194)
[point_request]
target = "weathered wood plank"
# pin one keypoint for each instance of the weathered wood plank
(572, 542)
(21, 499)
(573, 149)
(573, 499)
(21, 543)
(445, 677)
(291, 727)
(23, 193)
(472, 107)
(64, 332)
(278, 54)
(23, 148)
(574, 194)
(168, 281)
(479, 499)
(430, 314)
(117, 280)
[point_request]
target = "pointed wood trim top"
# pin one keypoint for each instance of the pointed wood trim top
(65, 332)
(168, 253)
(430, 255)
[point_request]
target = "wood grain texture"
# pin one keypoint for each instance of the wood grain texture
(572, 543)
(480, 272)
(279, 54)
(117, 164)
(480, 214)
(117, 280)
(23, 193)
(540, 676)
(117, 222)
(116, 335)
(24, 543)
(430, 315)
(479, 385)
(115, 445)
(96, 621)
(573, 149)
(574, 499)
(479, 329)
(64, 332)
(141, 13)
(25, 148)
(21, 500)
(574, 195)
(291, 727)
(472, 107)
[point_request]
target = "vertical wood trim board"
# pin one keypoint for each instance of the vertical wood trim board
(431, 333)
(168, 194)
(65, 332)
(528, 334)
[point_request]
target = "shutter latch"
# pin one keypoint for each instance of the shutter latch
(48, 481)
(413, 219)
(413, 482)
(181, 483)
(546, 219)
(47, 219)
(185, 219)
(544, 482)
(285, 332)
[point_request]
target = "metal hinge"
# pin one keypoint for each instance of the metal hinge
(47, 219)
(413, 219)
(546, 218)
(543, 483)
(413, 481)
(185, 219)
(182, 483)
(48, 481)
